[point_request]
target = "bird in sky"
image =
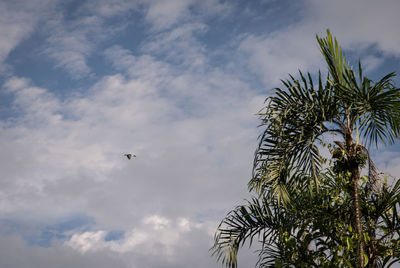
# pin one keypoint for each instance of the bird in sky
(129, 156)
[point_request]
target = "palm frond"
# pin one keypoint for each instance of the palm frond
(256, 220)
(375, 107)
(334, 56)
(294, 121)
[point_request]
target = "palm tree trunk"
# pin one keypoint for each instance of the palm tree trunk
(355, 176)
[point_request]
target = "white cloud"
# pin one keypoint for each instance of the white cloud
(185, 225)
(106, 8)
(357, 25)
(15, 253)
(87, 241)
(38, 105)
(275, 56)
(371, 63)
(181, 123)
(157, 222)
(165, 14)
(154, 232)
(120, 58)
(179, 45)
(71, 42)
(17, 22)
(191, 250)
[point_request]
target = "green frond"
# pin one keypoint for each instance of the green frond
(256, 220)
(334, 56)
(376, 108)
(294, 121)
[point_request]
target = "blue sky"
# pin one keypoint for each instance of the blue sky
(176, 82)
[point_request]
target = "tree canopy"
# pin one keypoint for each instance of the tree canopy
(314, 210)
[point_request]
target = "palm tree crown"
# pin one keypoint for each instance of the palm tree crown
(349, 105)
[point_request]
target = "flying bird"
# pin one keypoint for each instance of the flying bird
(129, 156)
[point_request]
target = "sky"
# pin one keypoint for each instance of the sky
(178, 83)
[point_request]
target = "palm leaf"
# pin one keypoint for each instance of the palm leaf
(294, 121)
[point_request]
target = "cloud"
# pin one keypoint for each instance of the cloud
(178, 121)
(154, 231)
(70, 42)
(372, 62)
(285, 50)
(106, 8)
(120, 58)
(164, 241)
(179, 45)
(17, 23)
(15, 253)
(38, 105)
(163, 15)
(66, 156)
(360, 23)
(174, 246)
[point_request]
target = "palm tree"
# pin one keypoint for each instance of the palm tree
(297, 119)
(355, 110)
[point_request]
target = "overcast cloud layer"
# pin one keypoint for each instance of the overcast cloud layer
(176, 82)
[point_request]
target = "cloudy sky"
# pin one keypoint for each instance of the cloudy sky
(176, 82)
